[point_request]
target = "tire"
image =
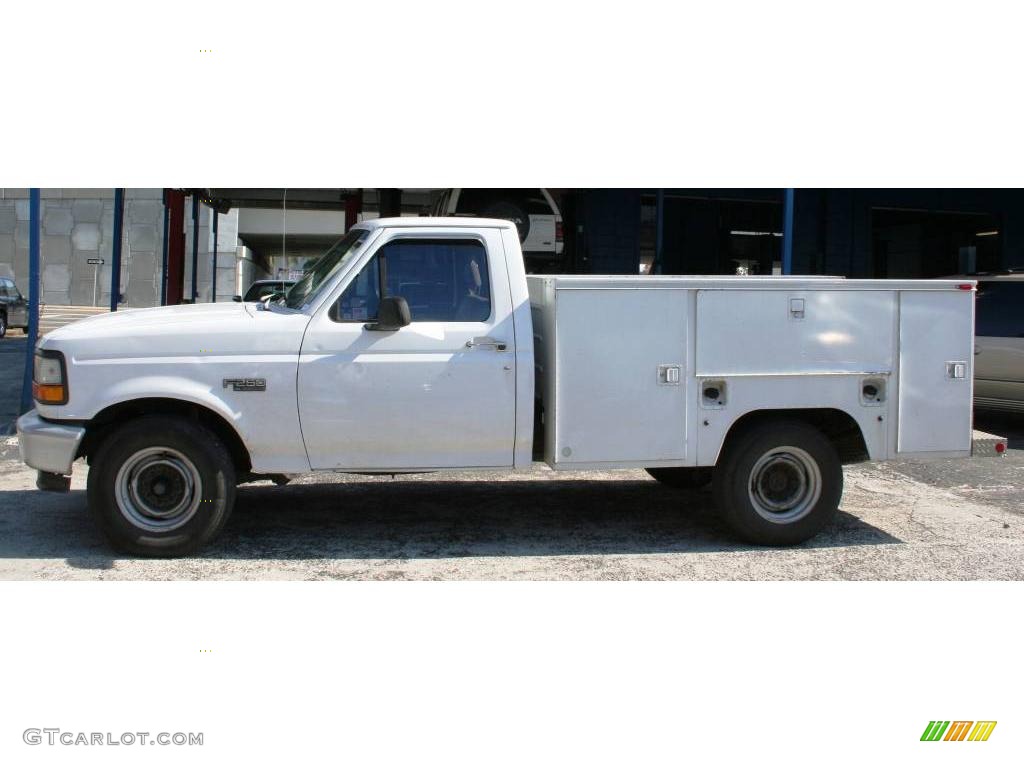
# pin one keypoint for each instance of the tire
(778, 483)
(3, 324)
(507, 209)
(683, 478)
(161, 487)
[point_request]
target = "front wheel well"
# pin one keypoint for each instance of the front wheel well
(838, 426)
(98, 428)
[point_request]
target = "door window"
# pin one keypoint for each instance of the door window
(441, 280)
(359, 302)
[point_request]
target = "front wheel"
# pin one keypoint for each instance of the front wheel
(3, 325)
(161, 486)
(778, 483)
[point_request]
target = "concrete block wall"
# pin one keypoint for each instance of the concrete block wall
(77, 225)
(248, 271)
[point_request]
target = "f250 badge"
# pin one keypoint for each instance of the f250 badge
(246, 385)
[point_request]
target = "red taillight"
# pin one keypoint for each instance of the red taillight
(965, 287)
(1000, 447)
(558, 232)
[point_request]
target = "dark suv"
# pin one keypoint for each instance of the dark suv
(13, 307)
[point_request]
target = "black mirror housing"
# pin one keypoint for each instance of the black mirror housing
(392, 314)
(236, 298)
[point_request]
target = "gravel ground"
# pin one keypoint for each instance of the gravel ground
(952, 520)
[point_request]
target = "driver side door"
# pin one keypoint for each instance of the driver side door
(437, 393)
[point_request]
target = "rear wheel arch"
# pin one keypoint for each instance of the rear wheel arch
(839, 427)
(106, 421)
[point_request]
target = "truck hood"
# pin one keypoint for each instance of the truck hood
(226, 328)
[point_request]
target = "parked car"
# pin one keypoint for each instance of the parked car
(420, 344)
(13, 307)
(999, 342)
(533, 211)
(260, 289)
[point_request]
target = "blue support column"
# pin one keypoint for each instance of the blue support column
(787, 232)
(216, 222)
(163, 269)
(658, 267)
(195, 247)
(115, 260)
(33, 299)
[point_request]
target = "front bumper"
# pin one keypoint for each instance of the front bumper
(47, 446)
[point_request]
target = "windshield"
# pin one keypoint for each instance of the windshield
(327, 265)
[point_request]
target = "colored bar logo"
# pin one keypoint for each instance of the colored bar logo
(958, 730)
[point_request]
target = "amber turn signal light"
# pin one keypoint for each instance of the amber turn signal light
(49, 394)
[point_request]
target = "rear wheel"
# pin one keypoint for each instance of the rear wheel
(161, 486)
(684, 478)
(778, 483)
(3, 324)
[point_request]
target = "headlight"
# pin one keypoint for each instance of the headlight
(49, 380)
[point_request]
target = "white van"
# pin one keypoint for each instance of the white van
(533, 211)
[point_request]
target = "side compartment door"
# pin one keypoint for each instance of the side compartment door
(935, 373)
(621, 374)
(438, 393)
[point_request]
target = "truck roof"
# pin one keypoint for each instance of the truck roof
(751, 282)
(435, 221)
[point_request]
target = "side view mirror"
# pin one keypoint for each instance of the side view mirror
(392, 314)
(236, 298)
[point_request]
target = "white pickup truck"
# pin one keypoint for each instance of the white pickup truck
(420, 344)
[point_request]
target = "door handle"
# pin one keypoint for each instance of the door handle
(486, 342)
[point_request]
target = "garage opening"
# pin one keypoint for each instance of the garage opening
(703, 236)
(913, 244)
